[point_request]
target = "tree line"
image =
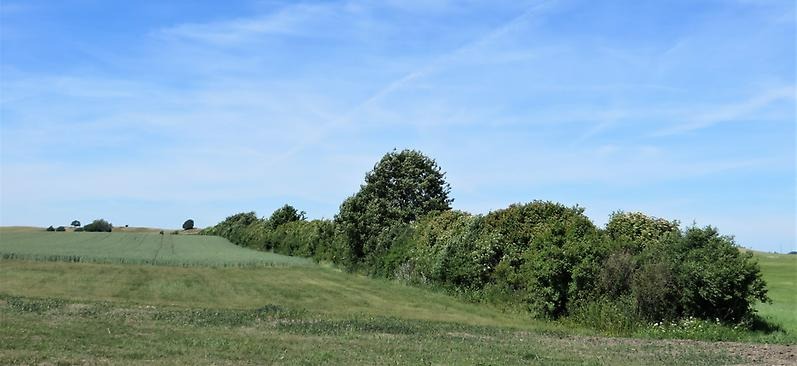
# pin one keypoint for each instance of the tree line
(544, 257)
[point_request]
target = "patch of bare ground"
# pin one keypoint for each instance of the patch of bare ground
(753, 353)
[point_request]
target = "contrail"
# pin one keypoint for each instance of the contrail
(407, 79)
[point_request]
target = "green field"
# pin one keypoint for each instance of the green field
(134, 248)
(780, 272)
(113, 313)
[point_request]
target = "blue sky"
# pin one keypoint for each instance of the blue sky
(150, 112)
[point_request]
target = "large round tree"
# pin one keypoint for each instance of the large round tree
(402, 187)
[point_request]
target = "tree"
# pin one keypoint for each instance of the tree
(60, 228)
(188, 224)
(75, 223)
(99, 225)
(284, 215)
(51, 228)
(403, 187)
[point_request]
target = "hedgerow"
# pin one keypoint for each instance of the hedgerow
(541, 256)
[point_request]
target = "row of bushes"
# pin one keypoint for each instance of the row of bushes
(99, 225)
(545, 257)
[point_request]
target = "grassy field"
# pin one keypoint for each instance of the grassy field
(134, 248)
(780, 272)
(93, 313)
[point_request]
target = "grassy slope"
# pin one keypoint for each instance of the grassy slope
(119, 314)
(780, 272)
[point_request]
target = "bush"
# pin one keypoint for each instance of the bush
(451, 248)
(51, 228)
(79, 229)
(60, 228)
(717, 280)
(549, 255)
(234, 228)
(99, 225)
(188, 224)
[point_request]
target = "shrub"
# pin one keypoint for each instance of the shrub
(60, 228)
(233, 228)
(79, 229)
(452, 248)
(549, 255)
(717, 280)
(51, 228)
(188, 224)
(99, 225)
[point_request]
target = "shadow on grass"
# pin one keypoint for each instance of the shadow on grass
(759, 324)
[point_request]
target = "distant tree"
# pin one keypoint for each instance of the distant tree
(51, 228)
(161, 232)
(75, 223)
(284, 215)
(79, 229)
(188, 224)
(99, 225)
(60, 228)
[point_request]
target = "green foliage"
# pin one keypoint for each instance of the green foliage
(188, 224)
(547, 255)
(75, 223)
(637, 230)
(717, 280)
(676, 274)
(234, 228)
(99, 225)
(284, 215)
(544, 257)
(51, 228)
(403, 187)
(452, 248)
(60, 228)
(79, 229)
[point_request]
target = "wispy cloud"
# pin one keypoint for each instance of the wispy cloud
(290, 20)
(731, 112)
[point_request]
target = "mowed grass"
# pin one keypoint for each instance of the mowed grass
(117, 313)
(780, 273)
(134, 248)
(81, 313)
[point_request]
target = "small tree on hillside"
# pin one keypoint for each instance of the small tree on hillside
(403, 187)
(60, 228)
(75, 223)
(51, 228)
(188, 224)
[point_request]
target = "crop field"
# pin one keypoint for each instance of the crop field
(120, 310)
(135, 248)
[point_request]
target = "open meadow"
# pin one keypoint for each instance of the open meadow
(56, 312)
